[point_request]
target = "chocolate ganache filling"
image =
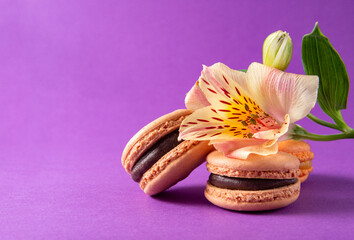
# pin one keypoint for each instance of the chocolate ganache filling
(251, 184)
(152, 155)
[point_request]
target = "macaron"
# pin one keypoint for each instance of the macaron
(157, 160)
(302, 151)
(257, 183)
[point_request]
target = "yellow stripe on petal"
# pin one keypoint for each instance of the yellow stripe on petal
(227, 97)
(206, 124)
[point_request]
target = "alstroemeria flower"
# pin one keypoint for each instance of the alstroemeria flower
(242, 113)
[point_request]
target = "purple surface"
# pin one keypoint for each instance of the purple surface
(79, 78)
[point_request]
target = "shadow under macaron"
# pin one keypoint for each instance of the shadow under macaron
(185, 195)
(321, 194)
(324, 195)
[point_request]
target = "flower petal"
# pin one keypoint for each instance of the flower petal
(242, 148)
(195, 98)
(274, 134)
(279, 93)
(236, 76)
(227, 97)
(206, 124)
(218, 85)
(227, 147)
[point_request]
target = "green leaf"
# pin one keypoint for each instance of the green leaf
(321, 59)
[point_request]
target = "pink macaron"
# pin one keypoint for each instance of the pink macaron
(157, 160)
(254, 184)
(302, 151)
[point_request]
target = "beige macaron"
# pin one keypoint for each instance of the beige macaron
(257, 183)
(302, 151)
(156, 159)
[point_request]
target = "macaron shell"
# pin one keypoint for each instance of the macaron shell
(277, 166)
(294, 146)
(305, 174)
(306, 171)
(149, 135)
(175, 166)
(306, 164)
(300, 149)
(241, 200)
(303, 178)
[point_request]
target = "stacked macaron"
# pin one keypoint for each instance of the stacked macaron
(156, 159)
(254, 184)
(302, 151)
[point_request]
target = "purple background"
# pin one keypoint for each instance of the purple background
(79, 78)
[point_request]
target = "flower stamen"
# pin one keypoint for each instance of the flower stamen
(244, 123)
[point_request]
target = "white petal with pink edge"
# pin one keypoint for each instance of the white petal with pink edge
(279, 93)
(195, 98)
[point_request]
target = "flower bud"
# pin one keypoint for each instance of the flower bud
(278, 50)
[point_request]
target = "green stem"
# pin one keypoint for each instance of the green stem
(301, 133)
(323, 123)
(338, 119)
